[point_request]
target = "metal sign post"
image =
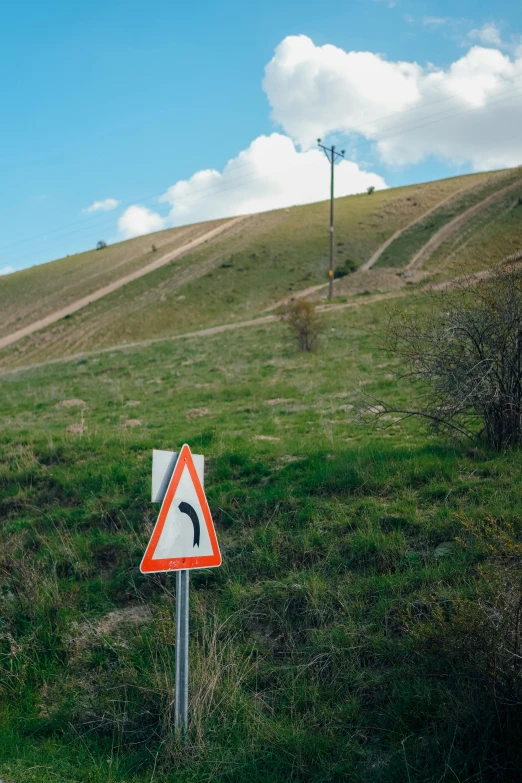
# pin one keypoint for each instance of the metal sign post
(183, 538)
(182, 645)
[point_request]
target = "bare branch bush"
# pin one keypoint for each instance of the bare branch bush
(463, 352)
(304, 321)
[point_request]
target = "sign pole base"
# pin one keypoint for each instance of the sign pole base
(182, 639)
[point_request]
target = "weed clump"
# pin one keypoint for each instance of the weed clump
(304, 321)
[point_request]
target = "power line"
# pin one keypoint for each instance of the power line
(217, 193)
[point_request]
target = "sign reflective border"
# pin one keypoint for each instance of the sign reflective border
(184, 536)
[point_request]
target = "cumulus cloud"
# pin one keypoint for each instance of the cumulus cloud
(6, 270)
(137, 220)
(271, 173)
(466, 113)
(101, 206)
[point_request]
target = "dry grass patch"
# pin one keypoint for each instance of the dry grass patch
(132, 423)
(196, 413)
(76, 429)
(73, 403)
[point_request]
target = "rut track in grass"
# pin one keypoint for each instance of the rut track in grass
(79, 304)
(445, 232)
(380, 250)
(356, 302)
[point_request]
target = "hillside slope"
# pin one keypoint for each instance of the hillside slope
(38, 291)
(357, 628)
(240, 273)
(158, 260)
(323, 648)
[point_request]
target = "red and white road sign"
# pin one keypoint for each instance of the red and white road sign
(184, 536)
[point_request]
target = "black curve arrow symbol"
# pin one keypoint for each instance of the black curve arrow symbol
(186, 508)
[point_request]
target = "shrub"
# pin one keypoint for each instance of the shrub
(465, 353)
(346, 268)
(370, 190)
(303, 320)
(101, 244)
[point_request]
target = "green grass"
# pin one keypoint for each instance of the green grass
(322, 649)
(402, 250)
(494, 234)
(303, 663)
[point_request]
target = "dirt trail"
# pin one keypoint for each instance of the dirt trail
(297, 295)
(208, 332)
(265, 319)
(114, 286)
(448, 229)
(380, 250)
(378, 253)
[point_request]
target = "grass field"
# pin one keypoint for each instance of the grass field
(357, 628)
(495, 234)
(310, 653)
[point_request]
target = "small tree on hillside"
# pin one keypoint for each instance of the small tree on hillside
(346, 267)
(370, 189)
(101, 244)
(303, 320)
(464, 353)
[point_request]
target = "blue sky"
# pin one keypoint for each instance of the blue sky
(121, 101)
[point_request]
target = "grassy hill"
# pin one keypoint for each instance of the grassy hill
(33, 293)
(349, 634)
(234, 276)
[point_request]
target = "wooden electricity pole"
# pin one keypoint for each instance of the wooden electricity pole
(331, 154)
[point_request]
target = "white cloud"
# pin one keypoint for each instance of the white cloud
(6, 270)
(467, 113)
(102, 206)
(488, 34)
(436, 21)
(271, 173)
(137, 220)
(315, 89)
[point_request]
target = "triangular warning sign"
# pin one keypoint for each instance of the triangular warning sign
(184, 535)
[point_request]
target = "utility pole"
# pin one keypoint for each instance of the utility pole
(331, 154)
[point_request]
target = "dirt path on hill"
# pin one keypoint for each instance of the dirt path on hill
(380, 250)
(208, 332)
(114, 286)
(298, 295)
(265, 319)
(448, 229)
